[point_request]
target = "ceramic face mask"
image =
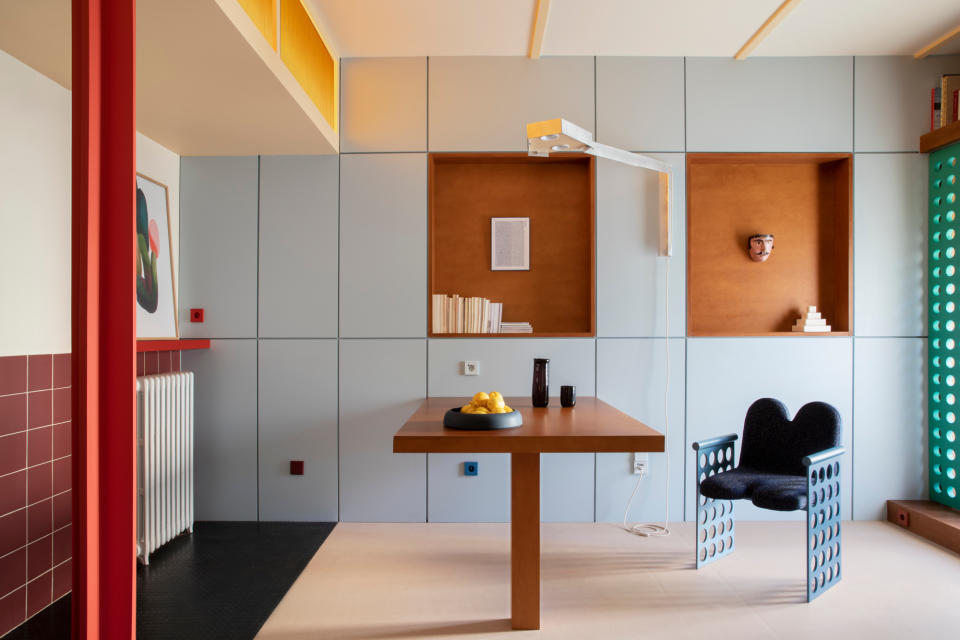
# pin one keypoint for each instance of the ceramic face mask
(760, 247)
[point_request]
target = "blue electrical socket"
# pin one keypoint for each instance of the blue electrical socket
(470, 468)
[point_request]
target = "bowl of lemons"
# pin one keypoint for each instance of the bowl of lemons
(484, 412)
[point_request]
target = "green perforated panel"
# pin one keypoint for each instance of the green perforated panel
(944, 318)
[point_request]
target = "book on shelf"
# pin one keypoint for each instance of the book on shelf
(457, 314)
(515, 327)
(944, 98)
(949, 85)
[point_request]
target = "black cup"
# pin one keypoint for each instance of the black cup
(568, 395)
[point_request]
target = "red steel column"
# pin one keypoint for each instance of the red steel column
(103, 331)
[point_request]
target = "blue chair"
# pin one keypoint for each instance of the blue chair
(785, 465)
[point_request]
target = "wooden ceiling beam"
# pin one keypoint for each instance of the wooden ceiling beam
(539, 28)
(766, 28)
(928, 49)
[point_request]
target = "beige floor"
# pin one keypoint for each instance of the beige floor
(452, 581)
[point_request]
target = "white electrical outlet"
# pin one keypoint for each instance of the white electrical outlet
(471, 368)
(641, 463)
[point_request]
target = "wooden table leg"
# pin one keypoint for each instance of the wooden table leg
(525, 540)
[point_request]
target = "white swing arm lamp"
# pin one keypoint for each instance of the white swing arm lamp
(560, 136)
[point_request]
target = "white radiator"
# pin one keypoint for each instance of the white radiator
(164, 459)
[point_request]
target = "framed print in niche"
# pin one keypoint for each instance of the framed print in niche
(156, 294)
(509, 244)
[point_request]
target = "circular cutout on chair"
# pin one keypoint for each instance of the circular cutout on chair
(830, 472)
(703, 476)
(952, 473)
(703, 460)
(820, 581)
(829, 554)
(713, 531)
(703, 499)
(730, 454)
(729, 543)
(722, 508)
(821, 474)
(822, 493)
(712, 458)
(836, 528)
(713, 550)
(703, 554)
(836, 549)
(821, 517)
(813, 542)
(813, 499)
(813, 478)
(952, 492)
(703, 535)
(813, 519)
(813, 563)
(720, 455)
(729, 525)
(720, 546)
(836, 571)
(829, 491)
(703, 516)
(713, 513)
(820, 539)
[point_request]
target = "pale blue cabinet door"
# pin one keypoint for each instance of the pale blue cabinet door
(218, 246)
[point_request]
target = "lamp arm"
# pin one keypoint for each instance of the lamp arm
(627, 157)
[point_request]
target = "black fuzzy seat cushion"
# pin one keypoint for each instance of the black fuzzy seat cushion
(735, 484)
(771, 471)
(767, 490)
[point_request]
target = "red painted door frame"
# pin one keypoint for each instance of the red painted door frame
(103, 320)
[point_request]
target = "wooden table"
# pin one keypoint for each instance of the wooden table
(591, 426)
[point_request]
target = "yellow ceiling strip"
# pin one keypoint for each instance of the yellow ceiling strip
(539, 28)
(311, 62)
(772, 22)
(927, 50)
(264, 16)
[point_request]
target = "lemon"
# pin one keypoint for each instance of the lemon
(467, 408)
(479, 398)
(482, 410)
(507, 409)
(495, 405)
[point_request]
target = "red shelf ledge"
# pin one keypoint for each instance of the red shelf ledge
(171, 345)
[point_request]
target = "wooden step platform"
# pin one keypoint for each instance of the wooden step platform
(927, 519)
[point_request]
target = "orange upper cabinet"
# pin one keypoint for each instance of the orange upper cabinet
(308, 58)
(263, 13)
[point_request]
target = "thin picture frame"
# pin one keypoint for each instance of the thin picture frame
(166, 327)
(509, 244)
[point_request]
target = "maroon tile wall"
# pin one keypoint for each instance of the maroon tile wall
(153, 362)
(35, 484)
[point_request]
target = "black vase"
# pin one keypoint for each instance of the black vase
(541, 382)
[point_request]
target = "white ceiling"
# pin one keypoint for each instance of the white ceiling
(370, 28)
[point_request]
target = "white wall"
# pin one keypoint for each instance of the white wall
(35, 208)
(162, 165)
(34, 211)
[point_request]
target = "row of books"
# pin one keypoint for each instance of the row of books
(456, 314)
(945, 101)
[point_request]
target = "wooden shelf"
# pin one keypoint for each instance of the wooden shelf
(538, 334)
(171, 345)
(940, 137)
(804, 200)
(557, 295)
(930, 520)
(795, 334)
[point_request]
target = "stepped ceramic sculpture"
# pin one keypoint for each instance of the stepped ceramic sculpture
(811, 322)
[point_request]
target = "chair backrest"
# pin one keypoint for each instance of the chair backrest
(773, 443)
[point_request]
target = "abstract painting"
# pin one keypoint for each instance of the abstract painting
(156, 296)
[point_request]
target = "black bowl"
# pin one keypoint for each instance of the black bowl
(454, 419)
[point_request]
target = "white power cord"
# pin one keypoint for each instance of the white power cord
(648, 530)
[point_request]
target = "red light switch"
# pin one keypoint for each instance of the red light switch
(903, 518)
(196, 315)
(296, 467)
